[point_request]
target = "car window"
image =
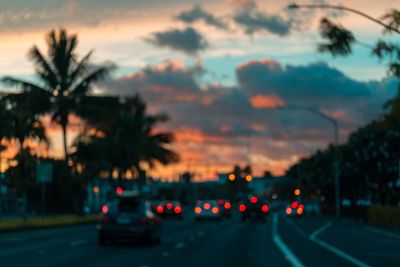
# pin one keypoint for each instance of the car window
(129, 204)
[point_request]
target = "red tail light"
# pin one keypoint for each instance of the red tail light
(220, 202)
(215, 210)
(177, 209)
(104, 209)
(197, 210)
(253, 200)
(160, 209)
(264, 208)
(242, 207)
(206, 206)
(227, 205)
(119, 190)
(144, 221)
(295, 204)
(169, 206)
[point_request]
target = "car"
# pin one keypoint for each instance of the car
(129, 217)
(225, 207)
(207, 209)
(253, 208)
(295, 209)
(170, 209)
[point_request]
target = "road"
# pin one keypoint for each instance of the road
(281, 241)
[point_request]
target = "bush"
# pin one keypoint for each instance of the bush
(384, 216)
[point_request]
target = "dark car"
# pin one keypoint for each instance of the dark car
(170, 209)
(225, 207)
(129, 217)
(253, 208)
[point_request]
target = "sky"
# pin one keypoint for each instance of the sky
(217, 68)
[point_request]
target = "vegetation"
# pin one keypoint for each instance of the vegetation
(118, 134)
(369, 160)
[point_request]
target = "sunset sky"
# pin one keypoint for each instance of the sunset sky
(217, 67)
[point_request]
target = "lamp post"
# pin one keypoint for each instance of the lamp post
(336, 142)
(343, 8)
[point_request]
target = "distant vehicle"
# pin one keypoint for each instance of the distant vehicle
(295, 209)
(253, 208)
(170, 209)
(129, 217)
(225, 207)
(207, 209)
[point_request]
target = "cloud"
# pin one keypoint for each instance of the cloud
(199, 14)
(189, 40)
(253, 21)
(214, 121)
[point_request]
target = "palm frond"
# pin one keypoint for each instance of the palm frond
(83, 87)
(339, 40)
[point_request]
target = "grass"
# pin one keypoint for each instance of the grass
(45, 222)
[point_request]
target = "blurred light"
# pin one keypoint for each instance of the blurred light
(242, 207)
(177, 209)
(297, 192)
(197, 210)
(249, 178)
(301, 206)
(253, 200)
(206, 206)
(299, 211)
(227, 205)
(264, 208)
(215, 210)
(288, 211)
(104, 209)
(96, 189)
(220, 202)
(160, 209)
(119, 190)
(169, 206)
(274, 196)
(295, 204)
(231, 177)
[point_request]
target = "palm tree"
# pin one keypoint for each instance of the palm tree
(127, 138)
(63, 81)
(23, 125)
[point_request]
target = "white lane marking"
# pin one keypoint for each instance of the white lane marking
(78, 243)
(339, 252)
(293, 260)
(13, 239)
(180, 245)
(320, 230)
(381, 231)
(335, 250)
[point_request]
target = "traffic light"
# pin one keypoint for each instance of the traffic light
(297, 192)
(249, 178)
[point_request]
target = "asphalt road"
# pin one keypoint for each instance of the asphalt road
(281, 241)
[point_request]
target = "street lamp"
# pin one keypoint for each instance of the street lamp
(343, 8)
(336, 142)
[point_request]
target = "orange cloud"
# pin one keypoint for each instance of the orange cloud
(266, 101)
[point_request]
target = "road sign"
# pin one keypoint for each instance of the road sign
(44, 172)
